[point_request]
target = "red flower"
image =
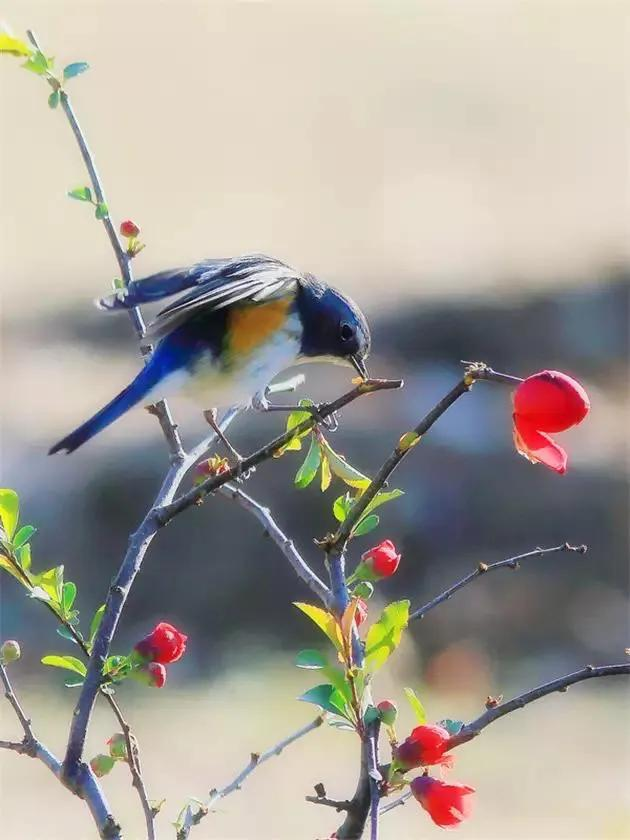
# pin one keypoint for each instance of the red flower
(153, 674)
(426, 745)
(447, 805)
(548, 401)
(388, 712)
(164, 644)
(361, 612)
(129, 229)
(382, 560)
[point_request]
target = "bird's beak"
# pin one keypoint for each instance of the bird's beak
(359, 366)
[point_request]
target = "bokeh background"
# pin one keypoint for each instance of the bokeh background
(462, 170)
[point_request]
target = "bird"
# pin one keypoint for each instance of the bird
(239, 323)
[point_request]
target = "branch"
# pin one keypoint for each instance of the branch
(358, 812)
(484, 568)
(191, 819)
(198, 493)
(90, 790)
(375, 777)
(471, 730)
(263, 515)
(474, 371)
(162, 411)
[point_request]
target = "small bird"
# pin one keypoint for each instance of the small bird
(241, 323)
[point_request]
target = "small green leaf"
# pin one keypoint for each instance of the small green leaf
(310, 659)
(384, 636)
(324, 620)
(13, 46)
(96, 621)
(24, 556)
(416, 705)
(70, 663)
(39, 594)
(340, 723)
(327, 697)
(101, 211)
(371, 714)
(342, 506)
(367, 524)
(81, 194)
(66, 634)
(38, 63)
(326, 474)
(75, 69)
(308, 470)
(451, 726)
(69, 593)
(342, 469)
(53, 99)
(382, 498)
(23, 536)
(9, 511)
(51, 581)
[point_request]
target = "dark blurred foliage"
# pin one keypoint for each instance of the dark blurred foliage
(469, 498)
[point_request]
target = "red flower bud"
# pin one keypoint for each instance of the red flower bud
(101, 765)
(361, 612)
(447, 805)
(152, 674)
(129, 229)
(117, 746)
(426, 745)
(548, 401)
(382, 560)
(164, 644)
(10, 651)
(210, 467)
(388, 712)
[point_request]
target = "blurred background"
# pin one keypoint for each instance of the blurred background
(461, 169)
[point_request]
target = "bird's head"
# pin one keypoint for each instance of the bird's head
(334, 328)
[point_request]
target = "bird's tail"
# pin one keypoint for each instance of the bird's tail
(148, 377)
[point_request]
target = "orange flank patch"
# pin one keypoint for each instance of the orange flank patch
(250, 325)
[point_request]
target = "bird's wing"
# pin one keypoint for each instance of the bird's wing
(215, 285)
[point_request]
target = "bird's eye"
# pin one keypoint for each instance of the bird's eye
(346, 332)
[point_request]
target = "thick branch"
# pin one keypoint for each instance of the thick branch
(256, 759)
(484, 568)
(89, 789)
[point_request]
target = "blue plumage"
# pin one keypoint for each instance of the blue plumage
(238, 325)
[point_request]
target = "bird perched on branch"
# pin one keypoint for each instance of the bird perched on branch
(240, 323)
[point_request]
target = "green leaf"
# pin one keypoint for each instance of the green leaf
(39, 594)
(23, 536)
(371, 714)
(367, 524)
(13, 46)
(51, 581)
(9, 511)
(324, 620)
(384, 637)
(326, 474)
(416, 705)
(69, 593)
(451, 726)
(382, 498)
(342, 506)
(95, 623)
(342, 469)
(73, 683)
(70, 663)
(24, 556)
(327, 697)
(81, 194)
(310, 659)
(38, 63)
(340, 723)
(5, 563)
(101, 211)
(308, 470)
(66, 634)
(75, 69)
(53, 99)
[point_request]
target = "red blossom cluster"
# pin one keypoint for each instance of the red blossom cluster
(164, 644)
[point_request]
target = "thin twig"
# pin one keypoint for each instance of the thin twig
(89, 789)
(256, 759)
(396, 803)
(471, 730)
(338, 804)
(162, 411)
(484, 568)
(375, 777)
(474, 372)
(263, 515)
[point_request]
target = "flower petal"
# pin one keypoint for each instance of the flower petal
(538, 447)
